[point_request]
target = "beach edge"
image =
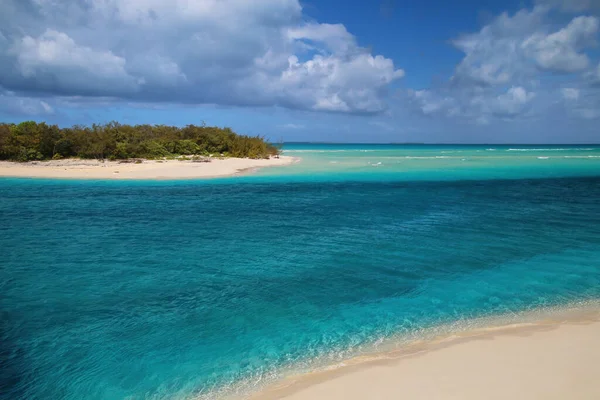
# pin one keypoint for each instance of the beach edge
(77, 169)
(353, 378)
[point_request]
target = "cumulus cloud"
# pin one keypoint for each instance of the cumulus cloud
(504, 51)
(434, 103)
(511, 103)
(231, 52)
(334, 36)
(330, 83)
(477, 106)
(511, 60)
(559, 51)
(53, 61)
(494, 55)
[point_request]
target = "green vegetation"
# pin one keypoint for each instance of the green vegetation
(30, 141)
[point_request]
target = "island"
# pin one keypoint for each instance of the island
(118, 151)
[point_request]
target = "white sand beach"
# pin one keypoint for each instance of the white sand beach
(147, 169)
(554, 359)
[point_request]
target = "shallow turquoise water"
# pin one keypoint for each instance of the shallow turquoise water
(328, 162)
(162, 290)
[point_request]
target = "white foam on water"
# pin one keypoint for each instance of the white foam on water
(553, 149)
(401, 344)
(317, 151)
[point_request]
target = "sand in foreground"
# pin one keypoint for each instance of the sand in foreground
(545, 362)
(148, 169)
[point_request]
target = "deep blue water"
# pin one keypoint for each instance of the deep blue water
(162, 290)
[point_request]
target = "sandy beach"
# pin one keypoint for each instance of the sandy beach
(148, 169)
(557, 358)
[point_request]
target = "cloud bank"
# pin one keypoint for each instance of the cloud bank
(228, 52)
(527, 72)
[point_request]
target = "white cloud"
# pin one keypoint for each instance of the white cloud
(333, 83)
(479, 106)
(431, 103)
(570, 93)
(55, 54)
(23, 106)
(511, 103)
(232, 52)
(292, 126)
(510, 60)
(162, 13)
(334, 36)
(559, 51)
(502, 52)
(47, 108)
(493, 56)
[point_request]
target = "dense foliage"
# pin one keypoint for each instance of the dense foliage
(29, 141)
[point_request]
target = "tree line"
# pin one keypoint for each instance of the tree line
(29, 141)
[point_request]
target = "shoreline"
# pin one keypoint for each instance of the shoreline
(146, 170)
(453, 364)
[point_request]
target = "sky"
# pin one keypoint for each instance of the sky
(379, 71)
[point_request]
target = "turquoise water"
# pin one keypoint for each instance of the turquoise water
(328, 162)
(175, 290)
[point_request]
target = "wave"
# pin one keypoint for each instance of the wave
(442, 151)
(556, 149)
(317, 151)
(425, 157)
(332, 151)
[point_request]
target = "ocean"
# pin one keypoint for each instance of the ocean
(205, 288)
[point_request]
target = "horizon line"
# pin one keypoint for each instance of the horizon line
(446, 143)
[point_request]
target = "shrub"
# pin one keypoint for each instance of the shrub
(30, 140)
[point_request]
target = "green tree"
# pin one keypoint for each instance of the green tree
(38, 141)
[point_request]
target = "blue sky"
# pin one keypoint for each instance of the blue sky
(331, 70)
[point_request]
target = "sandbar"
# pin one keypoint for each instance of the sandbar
(147, 169)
